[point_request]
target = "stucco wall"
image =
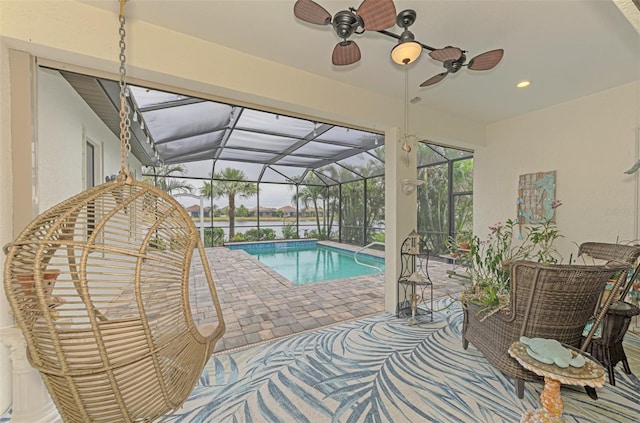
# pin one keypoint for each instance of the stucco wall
(64, 119)
(589, 142)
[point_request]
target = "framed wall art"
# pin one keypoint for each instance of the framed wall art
(537, 197)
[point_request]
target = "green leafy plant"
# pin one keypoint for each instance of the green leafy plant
(178, 241)
(462, 241)
(213, 237)
(238, 237)
(157, 243)
(377, 237)
(259, 234)
(490, 259)
(288, 229)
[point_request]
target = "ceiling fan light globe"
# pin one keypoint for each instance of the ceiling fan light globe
(406, 52)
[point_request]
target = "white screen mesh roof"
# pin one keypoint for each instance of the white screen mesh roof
(265, 146)
(207, 137)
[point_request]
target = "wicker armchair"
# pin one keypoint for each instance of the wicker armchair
(547, 301)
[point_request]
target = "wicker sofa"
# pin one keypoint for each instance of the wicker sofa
(546, 301)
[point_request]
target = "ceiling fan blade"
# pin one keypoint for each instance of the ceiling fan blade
(377, 14)
(447, 53)
(345, 53)
(434, 79)
(486, 61)
(312, 12)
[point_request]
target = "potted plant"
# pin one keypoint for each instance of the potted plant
(459, 244)
(463, 240)
(49, 277)
(490, 259)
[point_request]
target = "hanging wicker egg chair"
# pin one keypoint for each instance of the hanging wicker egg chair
(99, 286)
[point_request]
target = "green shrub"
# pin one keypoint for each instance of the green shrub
(288, 230)
(213, 237)
(376, 237)
(258, 235)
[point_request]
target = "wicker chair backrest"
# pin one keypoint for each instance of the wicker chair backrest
(613, 253)
(555, 300)
(610, 252)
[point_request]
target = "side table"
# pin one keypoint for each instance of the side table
(591, 374)
(608, 347)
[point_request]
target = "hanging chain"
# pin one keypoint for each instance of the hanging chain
(125, 121)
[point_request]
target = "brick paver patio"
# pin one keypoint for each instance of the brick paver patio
(259, 304)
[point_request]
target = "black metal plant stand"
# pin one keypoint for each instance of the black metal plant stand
(415, 289)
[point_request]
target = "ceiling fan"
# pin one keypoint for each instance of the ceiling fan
(372, 15)
(380, 15)
(453, 59)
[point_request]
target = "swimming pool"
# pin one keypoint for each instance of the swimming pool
(305, 262)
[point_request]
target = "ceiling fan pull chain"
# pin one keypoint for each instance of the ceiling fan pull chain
(406, 100)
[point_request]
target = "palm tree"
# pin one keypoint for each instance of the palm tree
(229, 183)
(311, 194)
(323, 199)
(163, 179)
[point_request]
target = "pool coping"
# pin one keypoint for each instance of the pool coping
(239, 244)
(286, 243)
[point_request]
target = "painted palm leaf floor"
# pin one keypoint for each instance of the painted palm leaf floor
(380, 370)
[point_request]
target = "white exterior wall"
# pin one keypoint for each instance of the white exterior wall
(63, 121)
(589, 142)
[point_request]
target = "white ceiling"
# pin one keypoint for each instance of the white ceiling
(567, 48)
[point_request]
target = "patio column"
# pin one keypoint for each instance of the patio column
(31, 401)
(20, 384)
(400, 210)
(16, 201)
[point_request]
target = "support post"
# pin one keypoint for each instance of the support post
(31, 401)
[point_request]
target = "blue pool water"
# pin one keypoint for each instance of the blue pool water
(308, 262)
